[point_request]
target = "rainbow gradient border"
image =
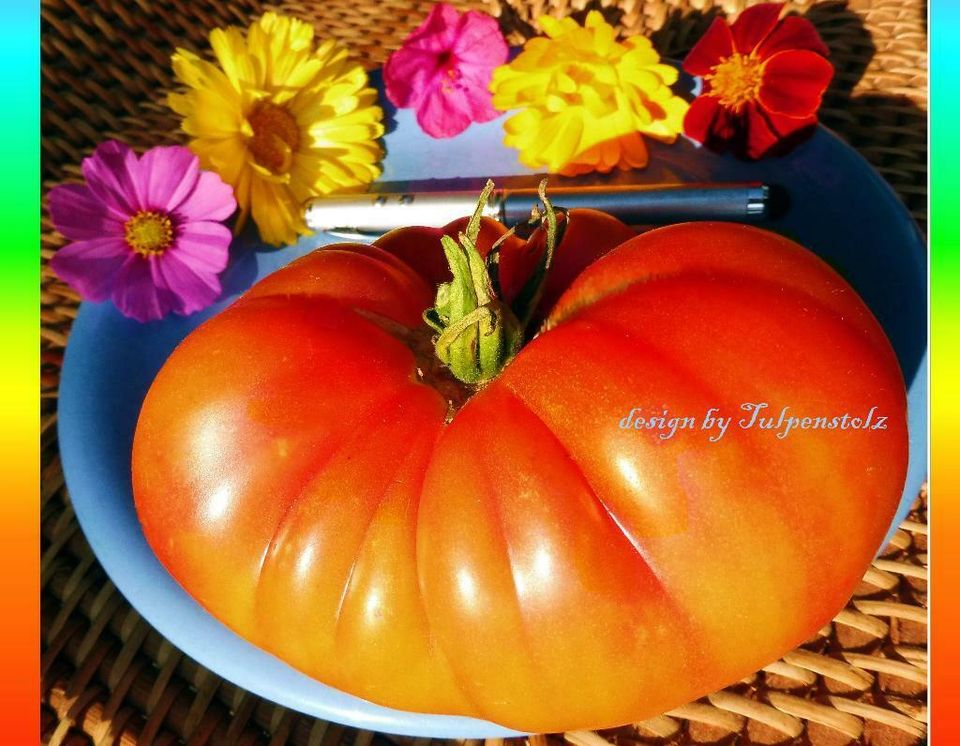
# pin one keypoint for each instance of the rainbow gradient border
(20, 411)
(944, 36)
(19, 416)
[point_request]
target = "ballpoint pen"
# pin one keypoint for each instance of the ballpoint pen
(374, 213)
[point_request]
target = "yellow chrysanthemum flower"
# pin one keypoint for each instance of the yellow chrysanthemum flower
(585, 99)
(279, 120)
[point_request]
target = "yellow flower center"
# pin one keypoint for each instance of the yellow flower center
(736, 80)
(148, 233)
(276, 137)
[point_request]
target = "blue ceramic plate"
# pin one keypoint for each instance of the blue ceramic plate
(840, 208)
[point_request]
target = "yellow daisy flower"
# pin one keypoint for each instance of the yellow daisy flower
(279, 120)
(585, 99)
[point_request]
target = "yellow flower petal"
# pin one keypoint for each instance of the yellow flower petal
(567, 142)
(582, 98)
(226, 156)
(555, 27)
(279, 119)
(276, 214)
(230, 49)
(207, 114)
(194, 71)
(668, 73)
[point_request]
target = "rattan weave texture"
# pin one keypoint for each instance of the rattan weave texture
(109, 678)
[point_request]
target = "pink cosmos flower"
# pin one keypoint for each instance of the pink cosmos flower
(145, 231)
(443, 70)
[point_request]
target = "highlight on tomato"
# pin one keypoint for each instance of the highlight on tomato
(403, 468)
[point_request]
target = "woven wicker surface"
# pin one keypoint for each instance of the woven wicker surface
(108, 677)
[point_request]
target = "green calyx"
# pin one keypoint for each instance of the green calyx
(477, 332)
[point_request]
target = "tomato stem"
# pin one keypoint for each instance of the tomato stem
(478, 333)
(529, 296)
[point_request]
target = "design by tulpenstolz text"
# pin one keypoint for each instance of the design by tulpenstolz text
(754, 416)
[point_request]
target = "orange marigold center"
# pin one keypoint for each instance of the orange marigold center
(736, 80)
(276, 137)
(148, 233)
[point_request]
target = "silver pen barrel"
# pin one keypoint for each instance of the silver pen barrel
(379, 213)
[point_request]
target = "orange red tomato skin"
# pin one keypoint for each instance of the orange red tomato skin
(528, 561)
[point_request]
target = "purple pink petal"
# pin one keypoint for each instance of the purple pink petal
(101, 264)
(79, 215)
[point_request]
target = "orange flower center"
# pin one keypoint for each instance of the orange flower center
(276, 137)
(736, 80)
(148, 233)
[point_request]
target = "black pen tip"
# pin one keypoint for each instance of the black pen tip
(778, 201)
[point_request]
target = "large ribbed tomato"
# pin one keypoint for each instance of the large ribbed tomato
(305, 470)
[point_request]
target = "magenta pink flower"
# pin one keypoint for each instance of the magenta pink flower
(443, 70)
(145, 231)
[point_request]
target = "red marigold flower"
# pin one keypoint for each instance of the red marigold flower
(763, 80)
